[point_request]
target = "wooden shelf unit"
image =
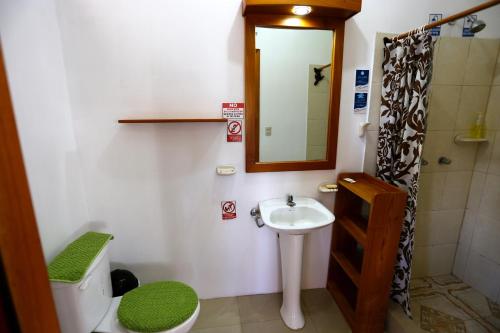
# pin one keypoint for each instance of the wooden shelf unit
(365, 236)
(171, 120)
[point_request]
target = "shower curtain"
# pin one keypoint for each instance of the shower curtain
(407, 70)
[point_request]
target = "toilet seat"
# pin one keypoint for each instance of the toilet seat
(111, 324)
(152, 307)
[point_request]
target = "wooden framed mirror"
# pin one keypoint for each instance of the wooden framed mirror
(293, 74)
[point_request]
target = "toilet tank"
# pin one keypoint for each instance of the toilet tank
(81, 306)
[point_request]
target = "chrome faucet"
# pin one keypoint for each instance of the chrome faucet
(289, 201)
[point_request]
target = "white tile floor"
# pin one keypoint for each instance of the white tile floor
(260, 314)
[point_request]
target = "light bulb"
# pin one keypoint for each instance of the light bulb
(301, 10)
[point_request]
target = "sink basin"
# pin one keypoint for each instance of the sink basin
(307, 215)
(292, 224)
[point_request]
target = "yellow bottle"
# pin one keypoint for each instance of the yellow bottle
(477, 130)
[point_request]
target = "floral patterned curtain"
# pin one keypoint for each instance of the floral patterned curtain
(407, 73)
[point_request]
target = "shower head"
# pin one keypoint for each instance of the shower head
(477, 25)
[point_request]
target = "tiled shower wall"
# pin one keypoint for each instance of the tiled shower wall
(318, 102)
(462, 78)
(477, 261)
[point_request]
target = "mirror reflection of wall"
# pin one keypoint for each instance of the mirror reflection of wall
(293, 110)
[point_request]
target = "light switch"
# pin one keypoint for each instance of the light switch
(268, 131)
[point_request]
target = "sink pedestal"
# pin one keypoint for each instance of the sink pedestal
(292, 222)
(291, 271)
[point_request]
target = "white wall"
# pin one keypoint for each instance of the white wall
(285, 57)
(154, 186)
(32, 50)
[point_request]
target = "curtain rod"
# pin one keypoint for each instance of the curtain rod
(454, 17)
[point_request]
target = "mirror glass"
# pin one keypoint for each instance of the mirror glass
(293, 69)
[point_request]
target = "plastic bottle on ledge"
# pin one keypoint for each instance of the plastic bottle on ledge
(477, 130)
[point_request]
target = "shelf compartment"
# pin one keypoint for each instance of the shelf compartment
(342, 302)
(348, 267)
(355, 226)
(344, 291)
(171, 120)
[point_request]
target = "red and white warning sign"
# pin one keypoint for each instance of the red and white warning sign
(228, 210)
(234, 128)
(234, 113)
(233, 110)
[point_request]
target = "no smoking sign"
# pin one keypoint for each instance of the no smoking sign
(234, 130)
(234, 113)
(228, 210)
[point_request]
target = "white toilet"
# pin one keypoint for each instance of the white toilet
(88, 306)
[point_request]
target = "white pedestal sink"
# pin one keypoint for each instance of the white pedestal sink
(292, 223)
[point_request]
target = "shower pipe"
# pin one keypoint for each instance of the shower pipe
(451, 18)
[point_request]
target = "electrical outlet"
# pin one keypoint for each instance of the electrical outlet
(268, 131)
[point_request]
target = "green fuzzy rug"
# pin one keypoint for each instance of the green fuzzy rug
(157, 307)
(71, 264)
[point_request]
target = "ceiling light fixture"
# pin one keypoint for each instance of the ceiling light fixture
(301, 10)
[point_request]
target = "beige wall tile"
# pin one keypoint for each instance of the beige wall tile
(431, 191)
(316, 132)
(496, 77)
(438, 227)
(443, 107)
(490, 201)
(494, 165)
(473, 100)
(450, 60)
(483, 274)
(463, 155)
(315, 153)
(486, 236)
(318, 106)
(467, 230)
(481, 61)
(370, 162)
(456, 190)
(324, 85)
(460, 262)
(492, 119)
(476, 190)
(374, 111)
(433, 260)
(437, 144)
(483, 154)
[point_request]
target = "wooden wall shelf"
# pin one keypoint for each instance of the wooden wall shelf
(342, 9)
(171, 120)
(365, 236)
